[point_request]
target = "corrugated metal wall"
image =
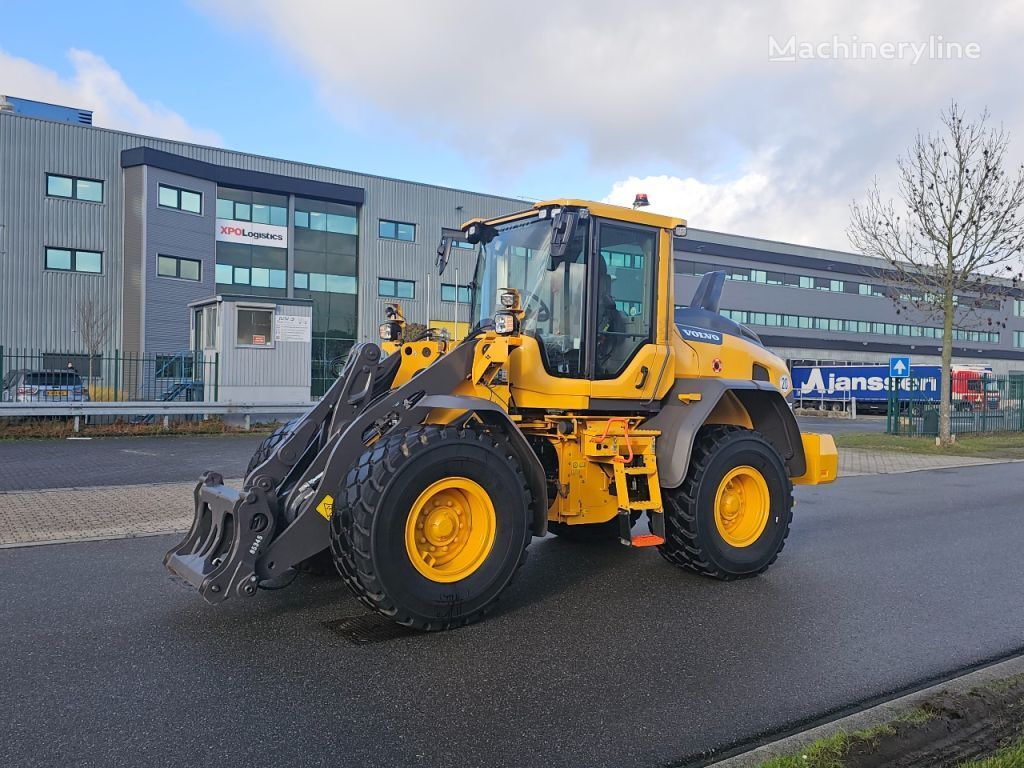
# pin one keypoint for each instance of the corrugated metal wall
(37, 307)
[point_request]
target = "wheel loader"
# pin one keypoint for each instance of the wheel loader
(582, 402)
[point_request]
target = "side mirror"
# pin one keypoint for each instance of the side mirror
(563, 228)
(444, 252)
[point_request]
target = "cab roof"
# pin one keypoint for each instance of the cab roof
(602, 210)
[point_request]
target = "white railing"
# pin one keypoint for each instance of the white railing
(156, 408)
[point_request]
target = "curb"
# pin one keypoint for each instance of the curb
(871, 717)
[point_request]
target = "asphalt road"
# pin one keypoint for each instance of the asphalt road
(598, 656)
(839, 426)
(31, 464)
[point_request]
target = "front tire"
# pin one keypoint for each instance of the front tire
(731, 516)
(431, 525)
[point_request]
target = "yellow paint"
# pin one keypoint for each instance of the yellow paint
(742, 506)
(417, 355)
(326, 506)
(822, 459)
(595, 481)
(450, 529)
(690, 397)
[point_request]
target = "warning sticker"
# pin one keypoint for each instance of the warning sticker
(326, 506)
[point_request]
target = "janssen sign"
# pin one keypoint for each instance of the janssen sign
(250, 233)
(863, 381)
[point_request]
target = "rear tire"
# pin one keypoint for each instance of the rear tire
(271, 441)
(376, 512)
(706, 519)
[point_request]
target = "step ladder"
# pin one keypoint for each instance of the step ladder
(636, 485)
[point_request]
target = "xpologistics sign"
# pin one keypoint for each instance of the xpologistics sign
(249, 233)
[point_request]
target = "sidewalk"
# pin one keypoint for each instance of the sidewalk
(858, 461)
(126, 511)
(106, 512)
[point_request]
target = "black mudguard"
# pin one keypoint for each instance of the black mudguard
(679, 420)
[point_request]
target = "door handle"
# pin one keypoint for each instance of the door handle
(642, 377)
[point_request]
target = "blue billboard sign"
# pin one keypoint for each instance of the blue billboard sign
(865, 382)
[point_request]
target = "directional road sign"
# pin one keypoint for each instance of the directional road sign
(899, 367)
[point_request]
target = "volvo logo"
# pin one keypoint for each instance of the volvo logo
(700, 334)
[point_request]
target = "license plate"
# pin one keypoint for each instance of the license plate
(58, 393)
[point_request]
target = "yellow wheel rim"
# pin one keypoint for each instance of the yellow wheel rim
(742, 506)
(450, 529)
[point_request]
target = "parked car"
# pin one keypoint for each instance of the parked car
(22, 386)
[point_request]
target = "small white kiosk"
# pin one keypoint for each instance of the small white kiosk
(262, 347)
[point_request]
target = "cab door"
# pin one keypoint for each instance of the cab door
(624, 362)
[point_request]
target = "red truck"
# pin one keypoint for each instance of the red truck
(973, 388)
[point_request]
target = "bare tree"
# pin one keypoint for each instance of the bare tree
(956, 233)
(93, 325)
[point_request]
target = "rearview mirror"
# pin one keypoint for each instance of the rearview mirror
(563, 228)
(444, 252)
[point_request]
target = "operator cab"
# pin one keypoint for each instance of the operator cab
(587, 285)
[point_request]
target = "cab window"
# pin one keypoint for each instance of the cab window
(624, 286)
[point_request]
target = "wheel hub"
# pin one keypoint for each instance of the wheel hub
(742, 506)
(450, 529)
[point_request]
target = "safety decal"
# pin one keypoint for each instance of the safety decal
(326, 506)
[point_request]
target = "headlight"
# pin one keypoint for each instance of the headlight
(504, 323)
(508, 300)
(389, 331)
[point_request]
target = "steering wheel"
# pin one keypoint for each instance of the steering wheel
(542, 314)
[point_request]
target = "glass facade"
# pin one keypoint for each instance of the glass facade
(791, 280)
(252, 270)
(326, 245)
(807, 322)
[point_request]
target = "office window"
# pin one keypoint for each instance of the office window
(1018, 338)
(224, 274)
(256, 212)
(174, 266)
(396, 230)
(73, 260)
(180, 199)
(448, 293)
(399, 289)
(1018, 307)
(255, 327)
(89, 190)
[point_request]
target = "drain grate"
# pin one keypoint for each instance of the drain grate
(368, 628)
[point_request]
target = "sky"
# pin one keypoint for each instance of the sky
(764, 119)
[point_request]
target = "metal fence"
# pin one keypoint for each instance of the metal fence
(48, 377)
(983, 404)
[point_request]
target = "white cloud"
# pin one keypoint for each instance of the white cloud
(661, 88)
(97, 86)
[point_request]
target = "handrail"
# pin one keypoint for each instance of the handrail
(145, 408)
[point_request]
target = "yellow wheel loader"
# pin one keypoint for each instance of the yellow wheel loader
(582, 402)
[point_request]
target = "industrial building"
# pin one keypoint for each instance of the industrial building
(146, 227)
